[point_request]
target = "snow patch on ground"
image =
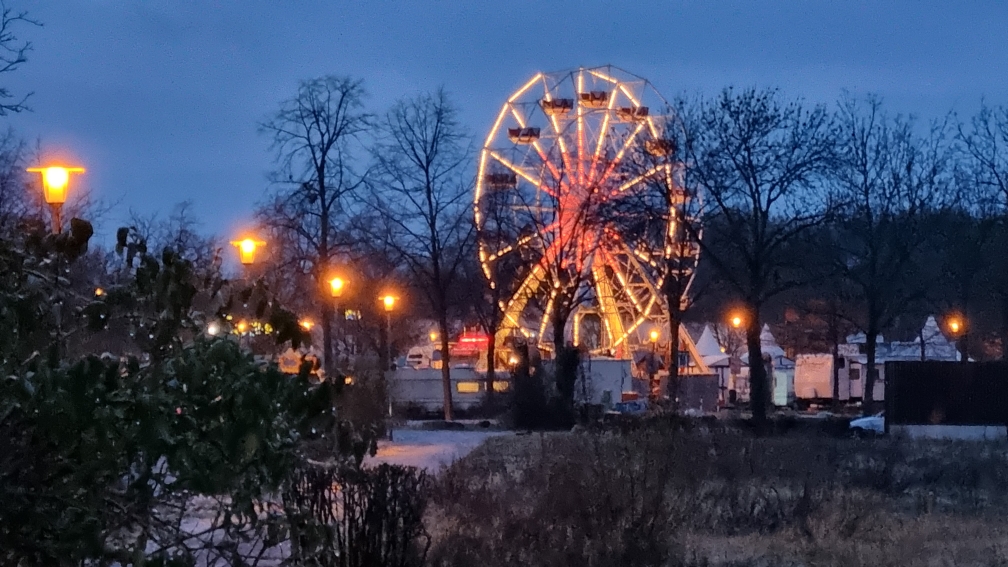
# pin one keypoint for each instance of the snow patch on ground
(429, 449)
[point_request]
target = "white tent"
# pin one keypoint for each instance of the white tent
(769, 346)
(710, 349)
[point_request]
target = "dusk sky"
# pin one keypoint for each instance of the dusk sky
(160, 99)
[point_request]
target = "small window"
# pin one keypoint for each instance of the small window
(468, 387)
(500, 386)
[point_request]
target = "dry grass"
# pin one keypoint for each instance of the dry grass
(663, 496)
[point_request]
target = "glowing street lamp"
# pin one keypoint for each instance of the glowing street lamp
(336, 286)
(736, 321)
(433, 336)
(55, 182)
(306, 324)
(389, 302)
(654, 336)
(955, 326)
(247, 249)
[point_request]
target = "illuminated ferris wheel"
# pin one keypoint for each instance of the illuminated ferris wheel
(563, 150)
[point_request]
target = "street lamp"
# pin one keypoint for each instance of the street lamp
(653, 365)
(388, 302)
(957, 328)
(336, 286)
(247, 249)
(736, 321)
(55, 181)
(306, 324)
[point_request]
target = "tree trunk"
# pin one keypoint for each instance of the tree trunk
(383, 346)
(327, 346)
(758, 387)
(834, 330)
(446, 384)
(963, 344)
(675, 314)
(836, 375)
(559, 322)
(868, 395)
(1004, 328)
(491, 366)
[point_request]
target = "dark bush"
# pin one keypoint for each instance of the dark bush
(357, 517)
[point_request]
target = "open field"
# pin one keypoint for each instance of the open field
(718, 496)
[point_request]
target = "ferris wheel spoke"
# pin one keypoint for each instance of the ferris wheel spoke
(640, 178)
(619, 155)
(636, 102)
(523, 123)
(520, 172)
(512, 311)
(611, 317)
(593, 171)
(580, 131)
(497, 255)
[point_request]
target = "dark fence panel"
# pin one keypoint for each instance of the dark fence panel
(946, 393)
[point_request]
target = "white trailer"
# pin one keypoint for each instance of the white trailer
(604, 381)
(813, 378)
(423, 388)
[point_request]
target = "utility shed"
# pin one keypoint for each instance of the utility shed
(947, 400)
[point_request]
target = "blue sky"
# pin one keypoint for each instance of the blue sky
(160, 99)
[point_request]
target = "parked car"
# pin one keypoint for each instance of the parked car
(870, 425)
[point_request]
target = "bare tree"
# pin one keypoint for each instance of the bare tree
(13, 53)
(984, 142)
(759, 162)
(315, 136)
(422, 188)
(888, 180)
(659, 218)
(14, 186)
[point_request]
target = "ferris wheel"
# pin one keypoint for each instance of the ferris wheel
(563, 150)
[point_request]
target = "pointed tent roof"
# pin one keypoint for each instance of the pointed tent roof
(768, 343)
(708, 345)
(930, 332)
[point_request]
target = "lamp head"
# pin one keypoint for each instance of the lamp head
(247, 250)
(55, 180)
(389, 302)
(336, 287)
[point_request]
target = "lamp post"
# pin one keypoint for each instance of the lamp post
(336, 286)
(55, 182)
(388, 303)
(654, 388)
